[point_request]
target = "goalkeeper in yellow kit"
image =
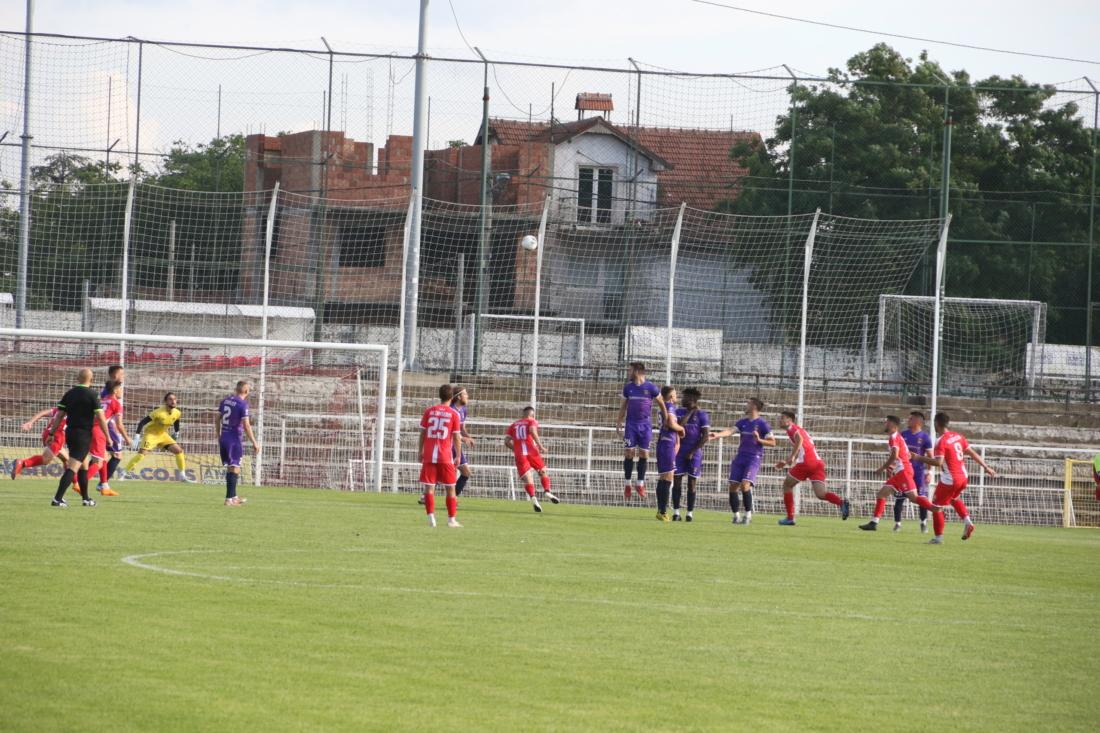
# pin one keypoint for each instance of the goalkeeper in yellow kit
(152, 433)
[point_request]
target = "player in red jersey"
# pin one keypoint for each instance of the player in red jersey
(54, 445)
(805, 465)
(899, 472)
(522, 438)
(950, 456)
(440, 445)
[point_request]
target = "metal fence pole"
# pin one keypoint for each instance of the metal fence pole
(137, 110)
(674, 253)
(539, 247)
(937, 314)
(482, 284)
(398, 397)
(1092, 242)
(412, 303)
(124, 282)
(807, 259)
(261, 387)
(25, 178)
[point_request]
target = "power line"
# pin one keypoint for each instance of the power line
(459, 27)
(892, 35)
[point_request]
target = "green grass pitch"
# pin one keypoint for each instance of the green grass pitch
(311, 610)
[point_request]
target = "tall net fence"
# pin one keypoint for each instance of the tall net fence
(249, 192)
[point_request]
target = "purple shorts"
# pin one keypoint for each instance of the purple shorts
(231, 449)
(692, 464)
(462, 459)
(744, 468)
(666, 455)
(638, 435)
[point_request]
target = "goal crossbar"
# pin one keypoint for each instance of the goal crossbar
(122, 338)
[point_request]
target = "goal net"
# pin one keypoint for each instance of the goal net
(318, 409)
(989, 347)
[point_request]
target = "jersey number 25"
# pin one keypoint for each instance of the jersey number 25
(438, 428)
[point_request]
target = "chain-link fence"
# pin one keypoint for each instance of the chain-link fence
(212, 129)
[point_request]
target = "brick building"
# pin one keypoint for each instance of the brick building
(347, 254)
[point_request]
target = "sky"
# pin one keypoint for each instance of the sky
(85, 96)
(677, 34)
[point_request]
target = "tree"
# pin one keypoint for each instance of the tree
(214, 166)
(869, 143)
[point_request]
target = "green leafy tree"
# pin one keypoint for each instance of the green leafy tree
(214, 166)
(869, 143)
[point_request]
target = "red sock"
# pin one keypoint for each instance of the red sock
(960, 508)
(32, 461)
(833, 498)
(938, 523)
(545, 480)
(788, 502)
(452, 506)
(924, 503)
(1098, 493)
(103, 472)
(530, 489)
(429, 502)
(880, 507)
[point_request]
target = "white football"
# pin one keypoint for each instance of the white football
(529, 243)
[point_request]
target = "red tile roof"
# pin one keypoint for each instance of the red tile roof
(594, 102)
(700, 171)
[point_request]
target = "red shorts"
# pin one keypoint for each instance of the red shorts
(98, 448)
(809, 471)
(532, 461)
(57, 444)
(946, 493)
(438, 473)
(902, 482)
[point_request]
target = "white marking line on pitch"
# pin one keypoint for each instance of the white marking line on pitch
(137, 562)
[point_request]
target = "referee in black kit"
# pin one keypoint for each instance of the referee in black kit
(82, 408)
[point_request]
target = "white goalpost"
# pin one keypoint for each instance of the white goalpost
(985, 343)
(328, 399)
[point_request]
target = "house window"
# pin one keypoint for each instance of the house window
(594, 195)
(361, 243)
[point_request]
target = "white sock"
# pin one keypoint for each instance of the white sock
(968, 520)
(748, 515)
(874, 520)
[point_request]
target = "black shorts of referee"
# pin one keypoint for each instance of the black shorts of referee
(78, 441)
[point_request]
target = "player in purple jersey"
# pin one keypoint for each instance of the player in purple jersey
(230, 424)
(115, 373)
(668, 445)
(756, 434)
(635, 424)
(459, 403)
(920, 444)
(689, 460)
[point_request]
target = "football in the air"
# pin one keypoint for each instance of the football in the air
(529, 243)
